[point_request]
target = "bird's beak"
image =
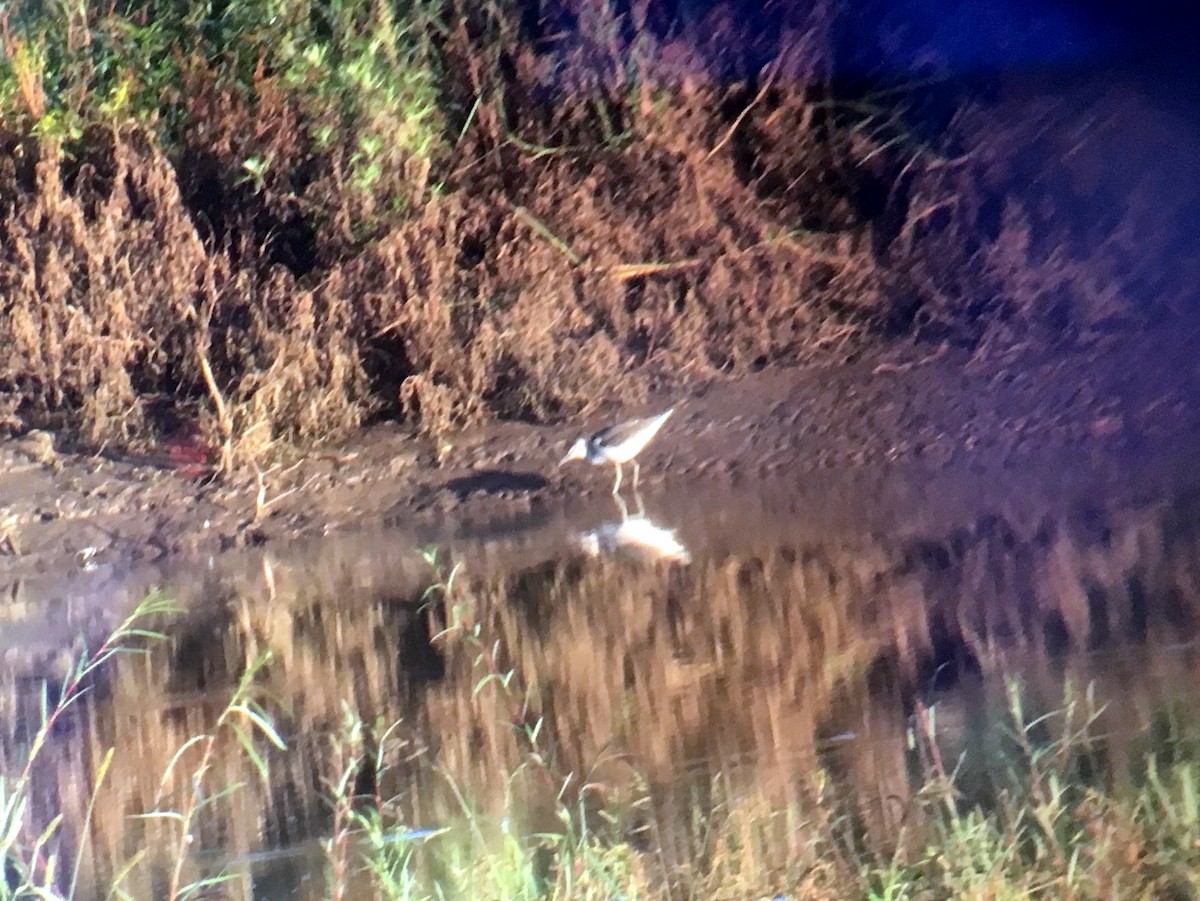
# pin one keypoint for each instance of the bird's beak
(577, 452)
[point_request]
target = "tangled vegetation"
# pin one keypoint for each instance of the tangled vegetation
(274, 221)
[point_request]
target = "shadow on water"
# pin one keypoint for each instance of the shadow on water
(689, 652)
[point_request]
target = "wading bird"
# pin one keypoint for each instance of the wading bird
(618, 444)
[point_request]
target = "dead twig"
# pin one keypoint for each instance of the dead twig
(768, 81)
(224, 421)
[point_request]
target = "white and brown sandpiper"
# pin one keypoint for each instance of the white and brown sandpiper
(618, 444)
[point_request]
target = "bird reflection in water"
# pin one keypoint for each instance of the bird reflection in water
(637, 536)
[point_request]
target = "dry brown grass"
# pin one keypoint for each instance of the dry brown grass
(615, 215)
(116, 306)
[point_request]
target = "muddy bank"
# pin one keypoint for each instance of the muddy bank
(889, 425)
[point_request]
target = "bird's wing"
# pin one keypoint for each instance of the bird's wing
(615, 434)
(622, 431)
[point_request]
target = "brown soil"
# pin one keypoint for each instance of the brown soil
(907, 415)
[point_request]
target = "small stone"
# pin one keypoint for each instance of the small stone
(38, 446)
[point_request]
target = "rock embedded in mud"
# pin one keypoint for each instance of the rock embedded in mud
(37, 446)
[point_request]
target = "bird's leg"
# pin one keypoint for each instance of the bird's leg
(621, 506)
(617, 486)
(636, 472)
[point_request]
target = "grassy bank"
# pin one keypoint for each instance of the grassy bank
(1044, 802)
(268, 223)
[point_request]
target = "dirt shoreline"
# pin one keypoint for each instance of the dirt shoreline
(909, 406)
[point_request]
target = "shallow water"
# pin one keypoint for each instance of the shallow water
(684, 651)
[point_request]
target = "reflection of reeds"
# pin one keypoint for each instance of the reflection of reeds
(657, 692)
(30, 832)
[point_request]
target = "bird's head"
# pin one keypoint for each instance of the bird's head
(578, 451)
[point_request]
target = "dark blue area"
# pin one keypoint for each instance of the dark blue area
(878, 39)
(958, 38)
